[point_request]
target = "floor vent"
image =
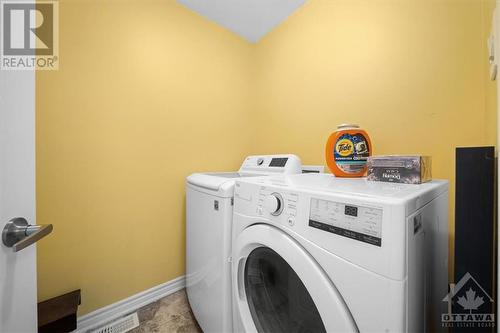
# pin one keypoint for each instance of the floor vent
(121, 325)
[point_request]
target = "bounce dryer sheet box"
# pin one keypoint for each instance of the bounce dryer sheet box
(399, 169)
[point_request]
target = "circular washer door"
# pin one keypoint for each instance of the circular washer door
(280, 288)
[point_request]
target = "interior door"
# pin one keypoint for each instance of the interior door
(18, 294)
(279, 287)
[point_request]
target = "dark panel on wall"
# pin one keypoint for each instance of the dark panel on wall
(474, 239)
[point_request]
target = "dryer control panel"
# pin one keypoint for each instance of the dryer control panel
(271, 164)
(352, 221)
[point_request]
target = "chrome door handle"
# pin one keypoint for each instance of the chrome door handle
(18, 233)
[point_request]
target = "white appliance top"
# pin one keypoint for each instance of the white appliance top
(413, 196)
(222, 183)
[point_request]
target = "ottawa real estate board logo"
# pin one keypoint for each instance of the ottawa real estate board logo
(29, 35)
(469, 305)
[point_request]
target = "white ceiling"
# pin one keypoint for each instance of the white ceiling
(251, 19)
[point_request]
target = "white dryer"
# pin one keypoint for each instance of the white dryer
(315, 253)
(209, 213)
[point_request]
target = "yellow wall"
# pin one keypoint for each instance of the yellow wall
(410, 72)
(147, 93)
(490, 86)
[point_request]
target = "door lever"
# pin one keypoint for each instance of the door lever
(19, 234)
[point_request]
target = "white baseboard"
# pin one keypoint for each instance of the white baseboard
(116, 310)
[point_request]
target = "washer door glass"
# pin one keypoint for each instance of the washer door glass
(278, 300)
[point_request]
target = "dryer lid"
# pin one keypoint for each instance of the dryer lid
(219, 184)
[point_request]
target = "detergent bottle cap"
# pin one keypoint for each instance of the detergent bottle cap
(346, 126)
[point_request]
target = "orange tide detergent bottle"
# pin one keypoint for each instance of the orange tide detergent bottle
(347, 150)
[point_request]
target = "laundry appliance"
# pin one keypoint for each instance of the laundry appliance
(315, 253)
(209, 212)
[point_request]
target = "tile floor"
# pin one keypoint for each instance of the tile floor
(169, 314)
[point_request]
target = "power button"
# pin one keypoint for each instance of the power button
(291, 221)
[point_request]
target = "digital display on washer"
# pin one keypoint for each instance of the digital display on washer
(360, 223)
(278, 162)
(351, 211)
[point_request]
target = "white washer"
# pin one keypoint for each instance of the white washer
(209, 212)
(315, 253)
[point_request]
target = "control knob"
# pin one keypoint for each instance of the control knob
(274, 203)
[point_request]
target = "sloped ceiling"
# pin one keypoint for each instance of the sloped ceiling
(251, 19)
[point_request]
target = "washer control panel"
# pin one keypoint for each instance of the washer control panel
(361, 223)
